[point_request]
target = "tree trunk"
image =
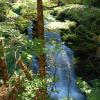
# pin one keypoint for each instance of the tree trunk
(40, 30)
(3, 64)
(42, 63)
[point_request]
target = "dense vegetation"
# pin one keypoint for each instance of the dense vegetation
(79, 27)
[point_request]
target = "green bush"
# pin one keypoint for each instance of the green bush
(93, 92)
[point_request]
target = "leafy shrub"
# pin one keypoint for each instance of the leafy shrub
(91, 92)
(27, 88)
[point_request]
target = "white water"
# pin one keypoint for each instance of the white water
(60, 64)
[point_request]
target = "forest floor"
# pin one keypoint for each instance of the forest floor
(4, 93)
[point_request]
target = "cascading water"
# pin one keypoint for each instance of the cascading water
(60, 65)
(59, 61)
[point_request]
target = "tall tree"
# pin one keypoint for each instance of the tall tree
(40, 30)
(42, 62)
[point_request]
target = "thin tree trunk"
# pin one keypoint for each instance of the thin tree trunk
(24, 68)
(42, 63)
(40, 30)
(3, 64)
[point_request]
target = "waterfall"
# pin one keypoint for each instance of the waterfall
(59, 59)
(60, 65)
